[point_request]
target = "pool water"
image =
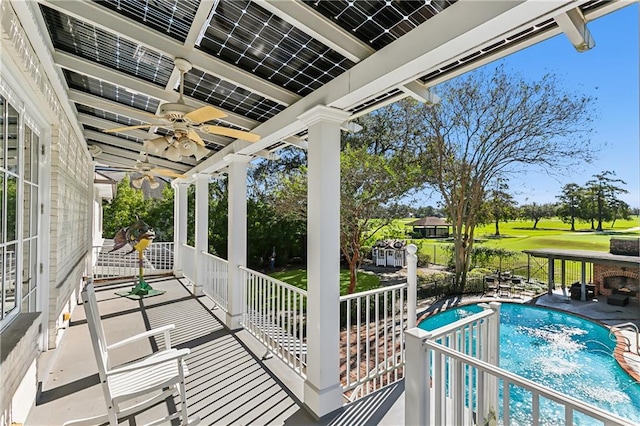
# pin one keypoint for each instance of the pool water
(559, 350)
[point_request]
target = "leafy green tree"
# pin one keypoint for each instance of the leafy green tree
(604, 189)
(122, 210)
(488, 124)
(536, 212)
(570, 202)
(619, 210)
(159, 214)
(368, 180)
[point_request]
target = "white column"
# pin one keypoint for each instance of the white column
(179, 226)
(322, 389)
(202, 230)
(417, 388)
(237, 238)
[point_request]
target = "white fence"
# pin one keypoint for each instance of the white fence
(215, 285)
(275, 313)
(452, 377)
(188, 257)
(372, 343)
(158, 259)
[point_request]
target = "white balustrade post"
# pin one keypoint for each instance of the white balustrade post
(493, 343)
(417, 389)
(322, 389)
(179, 226)
(412, 285)
(202, 231)
(237, 236)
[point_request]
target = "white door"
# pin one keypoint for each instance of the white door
(390, 258)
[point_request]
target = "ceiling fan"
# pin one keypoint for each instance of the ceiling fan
(149, 172)
(183, 120)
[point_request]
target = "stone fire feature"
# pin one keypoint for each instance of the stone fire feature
(610, 279)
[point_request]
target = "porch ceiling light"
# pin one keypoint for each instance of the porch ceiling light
(158, 145)
(187, 147)
(201, 152)
(173, 153)
(137, 182)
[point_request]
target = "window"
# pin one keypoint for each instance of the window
(18, 213)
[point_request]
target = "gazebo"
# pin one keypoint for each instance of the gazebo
(431, 227)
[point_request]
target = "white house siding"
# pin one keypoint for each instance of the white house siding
(70, 230)
(66, 219)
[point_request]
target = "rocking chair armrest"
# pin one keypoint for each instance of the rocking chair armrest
(156, 331)
(176, 355)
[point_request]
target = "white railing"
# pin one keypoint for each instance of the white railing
(215, 284)
(158, 259)
(275, 313)
(452, 376)
(188, 257)
(372, 343)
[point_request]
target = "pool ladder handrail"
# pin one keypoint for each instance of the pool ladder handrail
(628, 326)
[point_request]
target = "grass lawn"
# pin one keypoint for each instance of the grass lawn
(298, 278)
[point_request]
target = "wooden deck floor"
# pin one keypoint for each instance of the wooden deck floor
(228, 384)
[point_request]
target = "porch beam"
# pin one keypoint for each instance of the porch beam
(574, 25)
(237, 236)
(322, 388)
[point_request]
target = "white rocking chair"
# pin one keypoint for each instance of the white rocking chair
(159, 374)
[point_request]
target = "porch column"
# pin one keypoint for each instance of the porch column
(551, 275)
(202, 231)
(322, 389)
(179, 226)
(237, 239)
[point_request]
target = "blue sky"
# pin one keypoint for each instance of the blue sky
(608, 72)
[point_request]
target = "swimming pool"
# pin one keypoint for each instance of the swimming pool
(559, 350)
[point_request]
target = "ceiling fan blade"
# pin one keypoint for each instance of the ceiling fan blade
(167, 173)
(204, 114)
(233, 133)
(194, 136)
(125, 128)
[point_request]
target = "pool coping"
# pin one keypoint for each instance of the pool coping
(618, 352)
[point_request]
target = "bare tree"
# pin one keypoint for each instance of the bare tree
(487, 125)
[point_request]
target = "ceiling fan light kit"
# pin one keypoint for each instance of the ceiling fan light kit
(173, 153)
(187, 146)
(184, 120)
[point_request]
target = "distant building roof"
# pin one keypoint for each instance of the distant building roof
(429, 221)
(587, 256)
(391, 244)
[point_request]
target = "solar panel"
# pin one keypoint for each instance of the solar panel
(87, 84)
(172, 17)
(245, 35)
(87, 41)
(224, 94)
(379, 23)
(119, 135)
(116, 118)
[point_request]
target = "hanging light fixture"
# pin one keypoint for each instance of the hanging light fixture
(153, 183)
(137, 182)
(187, 146)
(158, 145)
(201, 152)
(173, 153)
